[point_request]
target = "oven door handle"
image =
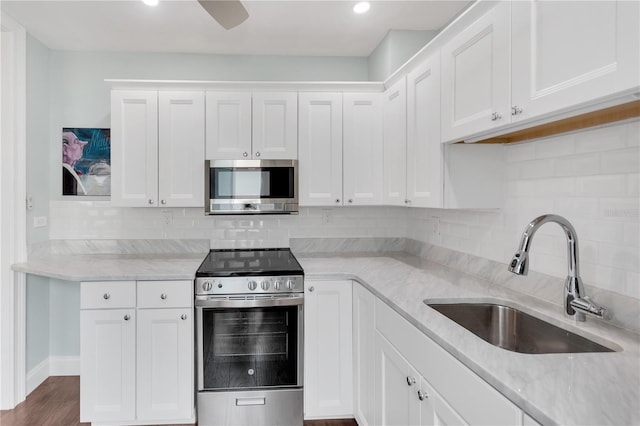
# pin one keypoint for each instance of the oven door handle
(222, 302)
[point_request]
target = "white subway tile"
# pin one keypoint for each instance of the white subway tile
(602, 231)
(555, 187)
(622, 257)
(621, 161)
(601, 139)
(622, 209)
(578, 165)
(632, 288)
(520, 152)
(633, 133)
(601, 186)
(555, 147)
(631, 235)
(633, 185)
(537, 168)
(584, 208)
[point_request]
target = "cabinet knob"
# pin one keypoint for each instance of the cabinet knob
(150, 200)
(422, 395)
(163, 296)
(311, 289)
(407, 201)
(127, 317)
(516, 110)
(410, 381)
(496, 116)
(163, 202)
(257, 153)
(350, 201)
(245, 154)
(106, 296)
(337, 200)
(183, 317)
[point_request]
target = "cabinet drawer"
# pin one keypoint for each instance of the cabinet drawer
(107, 294)
(165, 294)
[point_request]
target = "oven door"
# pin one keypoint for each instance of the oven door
(247, 344)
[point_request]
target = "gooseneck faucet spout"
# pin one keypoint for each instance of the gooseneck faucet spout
(576, 302)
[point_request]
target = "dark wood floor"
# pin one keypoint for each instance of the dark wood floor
(56, 402)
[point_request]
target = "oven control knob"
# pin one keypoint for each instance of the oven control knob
(265, 285)
(207, 285)
(291, 284)
(253, 285)
(277, 285)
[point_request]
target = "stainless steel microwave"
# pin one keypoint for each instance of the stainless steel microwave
(251, 186)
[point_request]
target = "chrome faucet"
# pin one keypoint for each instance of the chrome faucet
(576, 302)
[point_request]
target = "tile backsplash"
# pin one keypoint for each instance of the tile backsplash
(591, 177)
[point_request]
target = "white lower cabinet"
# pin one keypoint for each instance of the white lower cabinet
(136, 352)
(328, 377)
(364, 334)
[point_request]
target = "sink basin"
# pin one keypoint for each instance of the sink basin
(510, 328)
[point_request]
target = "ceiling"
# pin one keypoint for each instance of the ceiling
(293, 27)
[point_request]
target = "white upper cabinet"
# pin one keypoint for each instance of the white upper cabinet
(320, 149)
(362, 149)
(181, 149)
(275, 126)
(134, 148)
(424, 155)
(476, 76)
(242, 125)
(228, 125)
(567, 53)
(157, 146)
(395, 144)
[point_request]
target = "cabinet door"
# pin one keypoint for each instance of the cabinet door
(181, 149)
(424, 155)
(476, 75)
(320, 148)
(566, 53)
(394, 386)
(275, 126)
(228, 125)
(107, 365)
(328, 376)
(165, 364)
(395, 144)
(134, 148)
(362, 148)
(364, 336)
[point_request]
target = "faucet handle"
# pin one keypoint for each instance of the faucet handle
(588, 306)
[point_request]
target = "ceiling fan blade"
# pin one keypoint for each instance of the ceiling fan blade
(228, 13)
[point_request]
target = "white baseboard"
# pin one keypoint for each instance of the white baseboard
(64, 366)
(52, 366)
(37, 375)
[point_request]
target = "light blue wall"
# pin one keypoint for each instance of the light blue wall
(394, 50)
(64, 317)
(37, 327)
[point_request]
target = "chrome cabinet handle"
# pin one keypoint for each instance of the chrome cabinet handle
(422, 395)
(407, 201)
(350, 200)
(183, 317)
(163, 202)
(496, 116)
(312, 289)
(337, 200)
(163, 296)
(257, 153)
(516, 110)
(245, 154)
(150, 200)
(106, 296)
(410, 381)
(127, 317)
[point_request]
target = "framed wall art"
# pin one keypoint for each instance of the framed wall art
(86, 161)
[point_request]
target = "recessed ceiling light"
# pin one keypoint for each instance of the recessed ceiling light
(150, 2)
(362, 7)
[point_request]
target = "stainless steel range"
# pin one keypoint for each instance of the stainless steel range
(249, 338)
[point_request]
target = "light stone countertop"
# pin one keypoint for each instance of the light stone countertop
(568, 389)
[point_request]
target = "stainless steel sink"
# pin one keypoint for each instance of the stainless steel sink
(514, 330)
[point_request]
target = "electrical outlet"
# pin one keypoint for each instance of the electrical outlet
(435, 226)
(326, 216)
(167, 218)
(39, 221)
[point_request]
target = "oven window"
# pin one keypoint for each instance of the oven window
(243, 183)
(250, 348)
